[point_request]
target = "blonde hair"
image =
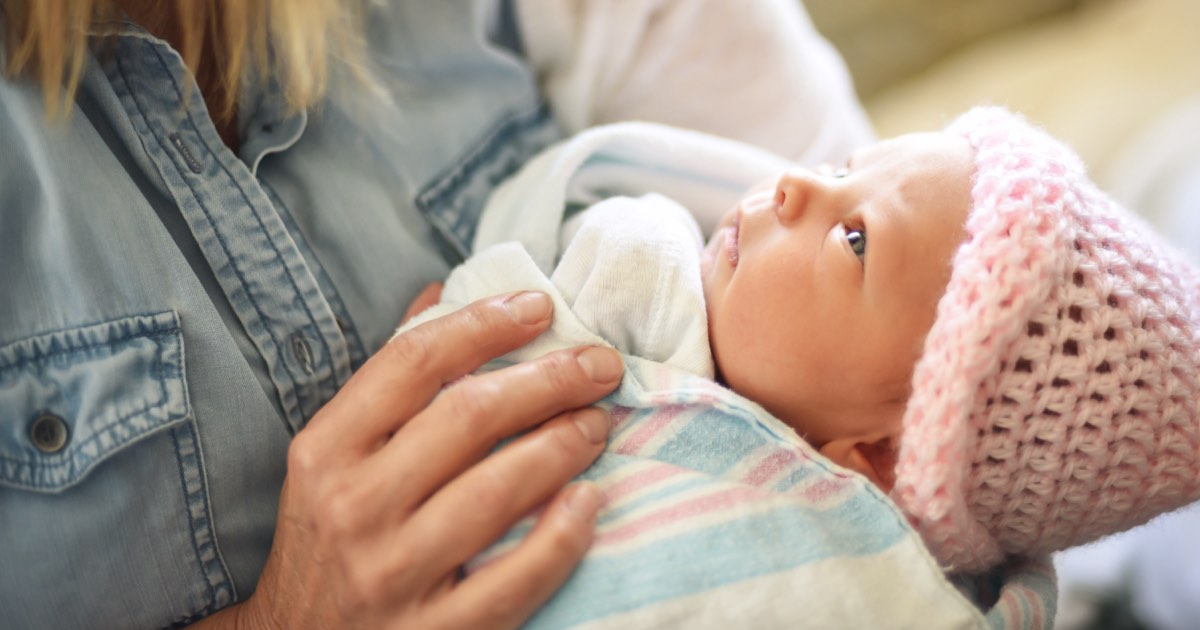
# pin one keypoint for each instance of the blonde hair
(292, 40)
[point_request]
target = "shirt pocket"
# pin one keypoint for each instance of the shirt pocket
(103, 500)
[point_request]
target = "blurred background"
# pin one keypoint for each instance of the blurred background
(1119, 80)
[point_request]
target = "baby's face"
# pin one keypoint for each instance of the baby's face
(821, 287)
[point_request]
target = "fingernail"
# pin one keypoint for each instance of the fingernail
(593, 424)
(528, 307)
(584, 501)
(602, 365)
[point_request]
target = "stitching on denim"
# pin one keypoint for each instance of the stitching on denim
(482, 148)
(494, 142)
(43, 357)
(153, 329)
(449, 182)
(216, 573)
(220, 239)
(67, 456)
(216, 234)
(39, 471)
(187, 500)
(94, 324)
(172, 336)
(257, 217)
(334, 299)
(222, 569)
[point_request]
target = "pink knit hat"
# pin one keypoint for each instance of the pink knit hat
(1058, 396)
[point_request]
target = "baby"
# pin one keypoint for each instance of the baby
(961, 317)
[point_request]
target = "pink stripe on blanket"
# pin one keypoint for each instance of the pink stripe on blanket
(1012, 612)
(823, 490)
(1018, 593)
(618, 415)
(681, 512)
(1036, 604)
(639, 480)
(769, 468)
(648, 427)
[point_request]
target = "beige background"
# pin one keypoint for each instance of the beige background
(1100, 74)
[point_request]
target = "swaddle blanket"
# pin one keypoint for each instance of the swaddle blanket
(717, 515)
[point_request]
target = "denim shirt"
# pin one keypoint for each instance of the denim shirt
(171, 312)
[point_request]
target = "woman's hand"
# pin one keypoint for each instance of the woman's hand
(391, 487)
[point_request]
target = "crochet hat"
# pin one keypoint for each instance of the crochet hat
(1058, 396)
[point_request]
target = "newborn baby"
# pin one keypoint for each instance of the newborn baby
(960, 316)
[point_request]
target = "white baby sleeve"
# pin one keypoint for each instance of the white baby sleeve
(631, 273)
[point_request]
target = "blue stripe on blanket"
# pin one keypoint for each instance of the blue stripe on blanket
(712, 557)
(740, 545)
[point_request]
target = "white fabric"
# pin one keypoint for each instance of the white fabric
(603, 61)
(631, 273)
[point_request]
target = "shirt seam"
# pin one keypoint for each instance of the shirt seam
(154, 329)
(336, 303)
(187, 497)
(120, 66)
(258, 219)
(220, 240)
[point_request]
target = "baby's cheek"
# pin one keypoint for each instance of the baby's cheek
(897, 368)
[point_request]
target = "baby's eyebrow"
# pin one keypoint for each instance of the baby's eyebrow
(892, 232)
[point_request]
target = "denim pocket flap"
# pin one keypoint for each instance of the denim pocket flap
(71, 398)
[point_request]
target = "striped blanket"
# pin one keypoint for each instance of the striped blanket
(718, 516)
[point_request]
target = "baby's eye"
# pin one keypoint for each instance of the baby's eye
(839, 173)
(858, 243)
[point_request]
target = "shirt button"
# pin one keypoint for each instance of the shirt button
(303, 353)
(49, 433)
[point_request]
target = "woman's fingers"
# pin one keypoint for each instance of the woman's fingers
(401, 379)
(476, 508)
(467, 420)
(386, 493)
(506, 592)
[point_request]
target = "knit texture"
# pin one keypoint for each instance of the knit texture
(1057, 398)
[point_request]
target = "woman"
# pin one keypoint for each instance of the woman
(213, 214)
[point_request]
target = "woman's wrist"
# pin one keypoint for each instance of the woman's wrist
(247, 615)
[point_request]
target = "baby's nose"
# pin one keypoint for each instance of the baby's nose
(792, 194)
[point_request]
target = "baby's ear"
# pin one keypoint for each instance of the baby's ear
(872, 456)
